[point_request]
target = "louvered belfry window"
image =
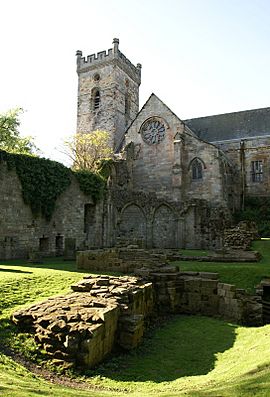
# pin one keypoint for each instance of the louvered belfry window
(97, 100)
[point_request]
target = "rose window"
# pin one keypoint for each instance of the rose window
(153, 131)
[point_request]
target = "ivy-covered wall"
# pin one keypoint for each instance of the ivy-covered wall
(43, 204)
(43, 181)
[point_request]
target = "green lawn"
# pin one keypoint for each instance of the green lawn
(243, 275)
(190, 356)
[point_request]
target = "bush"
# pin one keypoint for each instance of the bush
(257, 209)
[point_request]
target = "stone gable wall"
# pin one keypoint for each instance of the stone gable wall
(166, 168)
(152, 167)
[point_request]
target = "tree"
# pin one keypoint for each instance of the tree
(10, 139)
(87, 150)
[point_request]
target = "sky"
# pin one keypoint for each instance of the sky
(201, 57)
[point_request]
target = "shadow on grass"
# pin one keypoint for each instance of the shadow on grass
(255, 384)
(186, 346)
(55, 263)
(7, 329)
(13, 271)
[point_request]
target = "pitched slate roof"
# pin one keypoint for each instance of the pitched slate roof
(237, 125)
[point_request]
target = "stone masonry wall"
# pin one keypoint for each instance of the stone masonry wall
(202, 293)
(21, 232)
(166, 167)
(117, 81)
(253, 149)
(83, 327)
(141, 218)
(176, 291)
(117, 259)
(241, 235)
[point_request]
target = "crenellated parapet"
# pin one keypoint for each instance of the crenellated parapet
(112, 55)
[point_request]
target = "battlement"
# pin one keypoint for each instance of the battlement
(111, 55)
(94, 58)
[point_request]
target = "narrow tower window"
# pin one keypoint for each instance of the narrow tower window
(96, 100)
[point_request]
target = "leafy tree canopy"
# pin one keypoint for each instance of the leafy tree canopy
(10, 139)
(87, 150)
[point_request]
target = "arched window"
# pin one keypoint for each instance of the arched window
(197, 169)
(96, 100)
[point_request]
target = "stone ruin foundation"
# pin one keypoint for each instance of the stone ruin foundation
(84, 326)
(105, 312)
(127, 260)
(240, 236)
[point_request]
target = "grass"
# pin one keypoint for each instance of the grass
(191, 252)
(189, 356)
(243, 275)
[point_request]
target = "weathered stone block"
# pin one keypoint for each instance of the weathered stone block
(192, 284)
(208, 275)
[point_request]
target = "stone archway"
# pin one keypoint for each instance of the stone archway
(132, 226)
(164, 228)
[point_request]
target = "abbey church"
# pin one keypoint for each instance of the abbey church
(173, 183)
(180, 180)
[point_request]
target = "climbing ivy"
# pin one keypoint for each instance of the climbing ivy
(104, 168)
(91, 184)
(43, 181)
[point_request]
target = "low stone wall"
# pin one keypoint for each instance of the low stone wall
(263, 290)
(202, 293)
(223, 255)
(241, 236)
(104, 311)
(83, 327)
(124, 260)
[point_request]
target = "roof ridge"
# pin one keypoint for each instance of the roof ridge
(229, 113)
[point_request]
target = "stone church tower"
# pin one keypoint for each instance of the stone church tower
(108, 92)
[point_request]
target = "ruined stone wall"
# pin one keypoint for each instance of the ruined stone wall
(176, 291)
(202, 293)
(144, 220)
(21, 232)
(241, 235)
(124, 260)
(104, 312)
(83, 327)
